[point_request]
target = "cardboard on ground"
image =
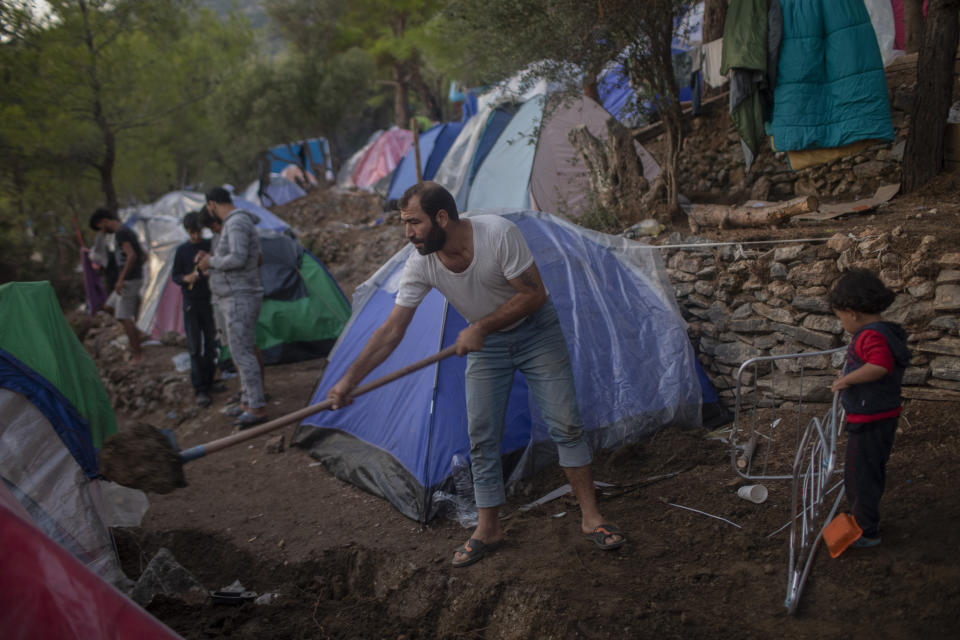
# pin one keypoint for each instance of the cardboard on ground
(830, 211)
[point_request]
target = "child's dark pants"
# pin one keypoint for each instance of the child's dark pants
(865, 473)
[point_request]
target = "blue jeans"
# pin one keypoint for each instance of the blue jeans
(536, 348)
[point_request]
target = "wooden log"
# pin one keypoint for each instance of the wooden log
(724, 217)
(746, 455)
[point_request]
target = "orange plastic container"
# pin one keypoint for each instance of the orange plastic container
(842, 531)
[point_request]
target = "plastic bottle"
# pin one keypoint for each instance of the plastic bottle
(463, 481)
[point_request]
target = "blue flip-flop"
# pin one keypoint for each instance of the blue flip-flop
(247, 420)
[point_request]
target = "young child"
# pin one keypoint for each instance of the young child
(869, 389)
(197, 309)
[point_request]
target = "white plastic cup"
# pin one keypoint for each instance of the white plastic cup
(756, 493)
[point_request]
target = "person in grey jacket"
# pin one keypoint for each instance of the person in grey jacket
(235, 281)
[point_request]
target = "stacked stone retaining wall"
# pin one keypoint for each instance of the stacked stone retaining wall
(744, 301)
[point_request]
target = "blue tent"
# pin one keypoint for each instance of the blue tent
(315, 151)
(434, 144)
(634, 367)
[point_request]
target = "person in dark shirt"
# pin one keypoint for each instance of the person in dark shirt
(125, 299)
(197, 309)
(869, 387)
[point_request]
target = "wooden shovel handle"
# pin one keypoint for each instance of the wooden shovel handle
(222, 443)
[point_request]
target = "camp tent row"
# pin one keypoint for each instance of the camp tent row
(303, 309)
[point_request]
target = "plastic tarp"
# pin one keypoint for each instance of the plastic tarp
(280, 191)
(634, 368)
(47, 593)
(382, 157)
(316, 153)
(345, 175)
(882, 19)
(405, 175)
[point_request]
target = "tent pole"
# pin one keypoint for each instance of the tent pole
(416, 147)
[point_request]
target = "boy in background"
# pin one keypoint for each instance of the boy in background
(869, 387)
(197, 309)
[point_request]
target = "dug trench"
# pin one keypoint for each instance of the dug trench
(345, 564)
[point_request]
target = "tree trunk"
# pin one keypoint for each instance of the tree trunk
(401, 97)
(724, 217)
(714, 16)
(912, 25)
(923, 155)
(106, 168)
(429, 99)
(613, 167)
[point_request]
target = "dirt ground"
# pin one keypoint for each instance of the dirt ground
(345, 564)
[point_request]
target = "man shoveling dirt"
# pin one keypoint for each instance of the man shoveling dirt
(485, 269)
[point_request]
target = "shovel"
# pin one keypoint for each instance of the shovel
(144, 458)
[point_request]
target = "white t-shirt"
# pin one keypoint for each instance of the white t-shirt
(500, 254)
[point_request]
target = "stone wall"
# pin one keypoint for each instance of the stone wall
(715, 171)
(744, 301)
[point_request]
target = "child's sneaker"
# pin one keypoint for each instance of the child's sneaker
(863, 542)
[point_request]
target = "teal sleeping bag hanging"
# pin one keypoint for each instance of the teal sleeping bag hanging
(831, 88)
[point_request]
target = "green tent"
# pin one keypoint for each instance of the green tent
(54, 416)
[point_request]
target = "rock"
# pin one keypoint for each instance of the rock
(163, 575)
(704, 288)
(872, 246)
(749, 325)
(817, 304)
(771, 313)
(945, 346)
(735, 353)
(947, 298)
(871, 169)
(946, 323)
(828, 324)
(817, 273)
(821, 341)
(840, 242)
(916, 376)
(924, 289)
(683, 289)
(787, 254)
(948, 276)
(761, 189)
(274, 444)
(945, 367)
(948, 259)
(778, 271)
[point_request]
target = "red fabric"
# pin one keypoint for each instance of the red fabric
(872, 348)
(899, 35)
(169, 316)
(47, 594)
(382, 157)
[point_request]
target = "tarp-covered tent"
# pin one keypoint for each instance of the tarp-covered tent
(280, 191)
(314, 154)
(536, 167)
(433, 144)
(290, 328)
(634, 367)
(378, 159)
(48, 593)
(54, 417)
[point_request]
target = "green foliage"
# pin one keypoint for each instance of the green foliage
(104, 101)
